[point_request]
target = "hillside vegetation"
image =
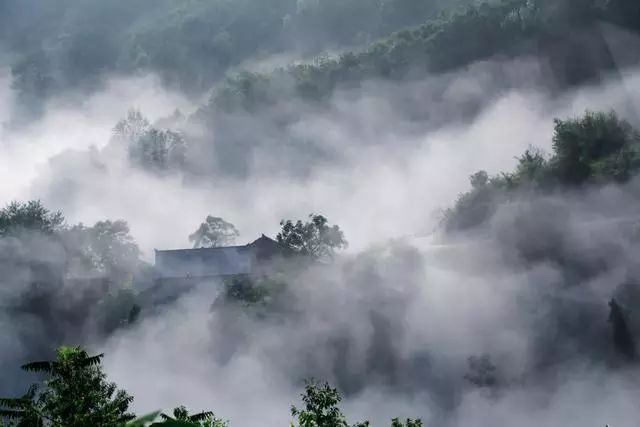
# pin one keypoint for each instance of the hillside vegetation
(65, 44)
(572, 293)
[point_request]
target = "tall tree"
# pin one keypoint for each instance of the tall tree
(214, 232)
(201, 419)
(106, 247)
(596, 146)
(75, 394)
(32, 215)
(321, 407)
(149, 146)
(314, 238)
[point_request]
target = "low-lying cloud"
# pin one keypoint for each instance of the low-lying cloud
(392, 324)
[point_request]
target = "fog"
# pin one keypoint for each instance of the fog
(395, 318)
(389, 177)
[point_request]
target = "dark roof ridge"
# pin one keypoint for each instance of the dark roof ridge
(203, 249)
(217, 247)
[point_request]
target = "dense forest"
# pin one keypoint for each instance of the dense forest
(64, 44)
(522, 308)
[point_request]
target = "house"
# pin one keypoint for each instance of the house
(219, 262)
(178, 270)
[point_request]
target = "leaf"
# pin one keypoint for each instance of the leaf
(92, 360)
(14, 403)
(11, 414)
(175, 423)
(45, 366)
(202, 416)
(139, 422)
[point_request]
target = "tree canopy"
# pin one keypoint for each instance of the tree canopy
(31, 215)
(314, 238)
(595, 149)
(214, 232)
(75, 394)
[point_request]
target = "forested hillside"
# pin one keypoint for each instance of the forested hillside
(62, 44)
(520, 309)
(507, 28)
(252, 111)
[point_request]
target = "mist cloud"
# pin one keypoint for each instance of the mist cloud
(392, 323)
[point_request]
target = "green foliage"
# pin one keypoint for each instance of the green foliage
(257, 297)
(157, 150)
(32, 215)
(595, 149)
(598, 146)
(214, 232)
(320, 407)
(106, 248)
(408, 423)
(441, 44)
(182, 419)
(189, 43)
(314, 238)
(144, 420)
(75, 394)
(201, 419)
(22, 411)
(246, 291)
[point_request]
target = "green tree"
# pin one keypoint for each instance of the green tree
(314, 238)
(32, 215)
(148, 146)
(214, 232)
(75, 394)
(408, 423)
(321, 407)
(595, 149)
(21, 411)
(201, 419)
(596, 146)
(106, 247)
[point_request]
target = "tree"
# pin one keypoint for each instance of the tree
(106, 247)
(132, 127)
(598, 145)
(408, 423)
(201, 419)
(32, 215)
(315, 238)
(595, 149)
(150, 147)
(482, 371)
(321, 407)
(75, 394)
(21, 411)
(214, 232)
